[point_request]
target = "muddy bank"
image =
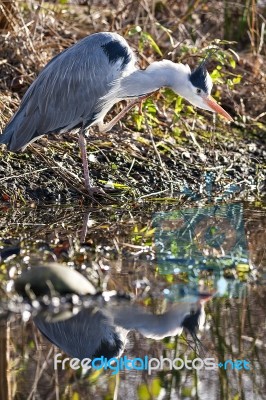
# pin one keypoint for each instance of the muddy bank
(199, 165)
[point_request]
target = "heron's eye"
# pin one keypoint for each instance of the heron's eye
(198, 91)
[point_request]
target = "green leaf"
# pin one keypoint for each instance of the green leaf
(94, 376)
(138, 119)
(191, 109)
(133, 31)
(174, 248)
(187, 392)
(120, 186)
(232, 63)
(242, 267)
(114, 166)
(155, 387)
(168, 32)
(169, 278)
(237, 79)
(216, 75)
(179, 104)
(143, 392)
(176, 132)
(153, 44)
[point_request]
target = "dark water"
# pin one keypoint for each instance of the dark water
(182, 284)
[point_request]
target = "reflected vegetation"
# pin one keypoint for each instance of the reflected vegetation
(179, 283)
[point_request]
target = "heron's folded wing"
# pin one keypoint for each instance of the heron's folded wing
(65, 94)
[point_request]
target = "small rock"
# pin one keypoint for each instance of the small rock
(42, 280)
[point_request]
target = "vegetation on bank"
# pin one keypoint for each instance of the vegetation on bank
(171, 150)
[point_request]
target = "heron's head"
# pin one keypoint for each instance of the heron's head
(196, 88)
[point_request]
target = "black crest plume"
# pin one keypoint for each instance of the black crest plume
(198, 77)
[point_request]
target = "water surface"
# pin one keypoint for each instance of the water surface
(153, 267)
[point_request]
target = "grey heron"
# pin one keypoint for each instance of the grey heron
(78, 87)
(102, 330)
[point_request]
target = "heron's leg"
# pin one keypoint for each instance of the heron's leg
(91, 189)
(82, 146)
(106, 127)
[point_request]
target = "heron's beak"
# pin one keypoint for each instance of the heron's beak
(216, 108)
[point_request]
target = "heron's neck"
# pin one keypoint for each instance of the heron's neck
(159, 74)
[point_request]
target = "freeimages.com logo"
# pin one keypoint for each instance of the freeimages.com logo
(148, 364)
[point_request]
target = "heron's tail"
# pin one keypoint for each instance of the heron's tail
(6, 136)
(20, 131)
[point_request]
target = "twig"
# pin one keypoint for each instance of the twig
(38, 374)
(153, 194)
(25, 173)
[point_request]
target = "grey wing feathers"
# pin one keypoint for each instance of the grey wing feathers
(67, 91)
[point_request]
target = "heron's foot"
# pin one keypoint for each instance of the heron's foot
(95, 190)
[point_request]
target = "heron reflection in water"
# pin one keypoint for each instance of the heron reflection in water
(102, 331)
